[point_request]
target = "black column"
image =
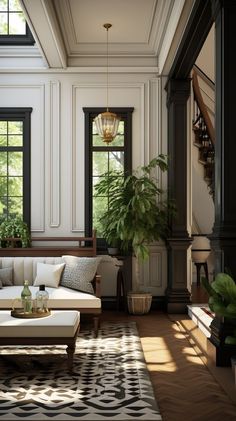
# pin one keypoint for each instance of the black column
(223, 239)
(224, 232)
(177, 292)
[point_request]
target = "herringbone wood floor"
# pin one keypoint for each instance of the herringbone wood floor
(184, 387)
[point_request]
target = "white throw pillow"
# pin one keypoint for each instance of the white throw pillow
(79, 273)
(6, 277)
(48, 275)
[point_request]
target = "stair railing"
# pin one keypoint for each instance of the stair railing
(204, 134)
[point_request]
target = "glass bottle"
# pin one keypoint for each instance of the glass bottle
(26, 298)
(42, 299)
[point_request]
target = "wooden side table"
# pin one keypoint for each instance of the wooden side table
(121, 290)
(205, 267)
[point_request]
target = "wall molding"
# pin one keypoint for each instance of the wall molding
(153, 272)
(83, 70)
(55, 154)
(40, 227)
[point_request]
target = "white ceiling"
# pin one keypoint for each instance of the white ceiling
(70, 32)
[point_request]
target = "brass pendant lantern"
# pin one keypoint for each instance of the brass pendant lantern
(107, 123)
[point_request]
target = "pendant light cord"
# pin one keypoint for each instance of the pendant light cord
(107, 67)
(107, 26)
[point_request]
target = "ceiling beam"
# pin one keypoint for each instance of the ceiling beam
(42, 20)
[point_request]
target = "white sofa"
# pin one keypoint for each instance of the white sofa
(59, 298)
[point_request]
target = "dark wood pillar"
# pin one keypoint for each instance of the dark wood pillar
(223, 239)
(224, 232)
(177, 292)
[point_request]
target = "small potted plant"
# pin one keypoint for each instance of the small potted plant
(136, 216)
(14, 228)
(112, 240)
(222, 301)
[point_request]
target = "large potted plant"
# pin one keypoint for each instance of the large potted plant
(137, 215)
(12, 229)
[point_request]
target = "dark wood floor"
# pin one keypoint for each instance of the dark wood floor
(183, 385)
(199, 294)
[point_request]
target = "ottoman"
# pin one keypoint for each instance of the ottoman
(60, 327)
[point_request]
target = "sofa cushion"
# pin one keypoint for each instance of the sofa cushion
(6, 277)
(79, 273)
(26, 267)
(49, 275)
(59, 298)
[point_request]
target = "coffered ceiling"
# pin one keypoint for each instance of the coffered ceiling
(70, 32)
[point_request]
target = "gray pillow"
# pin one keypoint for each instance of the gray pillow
(6, 277)
(79, 273)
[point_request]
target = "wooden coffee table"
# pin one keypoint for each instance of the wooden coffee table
(59, 328)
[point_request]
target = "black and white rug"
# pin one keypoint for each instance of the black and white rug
(109, 380)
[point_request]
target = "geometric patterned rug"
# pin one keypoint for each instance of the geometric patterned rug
(109, 380)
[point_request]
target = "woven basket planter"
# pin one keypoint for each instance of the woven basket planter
(139, 303)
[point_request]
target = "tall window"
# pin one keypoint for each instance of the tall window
(13, 27)
(15, 163)
(101, 158)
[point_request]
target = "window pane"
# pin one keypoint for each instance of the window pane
(3, 163)
(15, 140)
(3, 140)
(14, 5)
(3, 5)
(3, 24)
(116, 161)
(95, 181)
(15, 186)
(3, 208)
(15, 206)
(118, 141)
(99, 207)
(15, 163)
(3, 127)
(97, 141)
(3, 186)
(100, 163)
(15, 127)
(17, 24)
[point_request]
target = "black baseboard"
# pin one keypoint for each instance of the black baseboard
(110, 303)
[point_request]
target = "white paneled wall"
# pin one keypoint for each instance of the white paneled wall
(57, 146)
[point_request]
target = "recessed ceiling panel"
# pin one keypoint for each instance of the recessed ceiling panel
(82, 21)
(131, 20)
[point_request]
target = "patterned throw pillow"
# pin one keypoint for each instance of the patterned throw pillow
(79, 273)
(48, 275)
(6, 277)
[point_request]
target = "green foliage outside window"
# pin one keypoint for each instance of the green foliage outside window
(105, 160)
(12, 21)
(11, 169)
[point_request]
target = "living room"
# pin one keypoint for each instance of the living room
(57, 80)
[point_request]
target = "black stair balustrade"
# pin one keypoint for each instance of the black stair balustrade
(203, 136)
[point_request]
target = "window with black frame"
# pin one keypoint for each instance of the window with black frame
(13, 27)
(101, 158)
(15, 163)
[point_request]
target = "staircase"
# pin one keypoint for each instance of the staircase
(204, 132)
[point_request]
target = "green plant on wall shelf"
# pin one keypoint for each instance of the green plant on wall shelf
(222, 300)
(14, 228)
(138, 213)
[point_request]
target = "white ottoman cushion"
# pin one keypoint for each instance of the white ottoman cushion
(58, 324)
